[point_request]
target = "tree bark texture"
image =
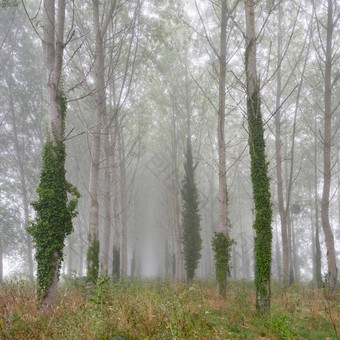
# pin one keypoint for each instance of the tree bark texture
(116, 203)
(327, 140)
(101, 112)
(278, 146)
(1, 262)
(178, 265)
(222, 172)
(107, 197)
(123, 204)
(100, 100)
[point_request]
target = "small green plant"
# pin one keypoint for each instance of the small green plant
(100, 291)
(280, 323)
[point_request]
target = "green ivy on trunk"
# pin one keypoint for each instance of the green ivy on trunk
(54, 211)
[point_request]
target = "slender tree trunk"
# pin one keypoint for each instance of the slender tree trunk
(278, 145)
(101, 112)
(315, 242)
(116, 205)
(81, 257)
(244, 250)
(295, 257)
(100, 100)
(1, 262)
(339, 190)
(123, 203)
(259, 171)
(317, 260)
(327, 175)
(107, 197)
(69, 257)
(278, 257)
(291, 277)
(23, 185)
(222, 172)
(221, 239)
(175, 205)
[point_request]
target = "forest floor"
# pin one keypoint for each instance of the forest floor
(164, 310)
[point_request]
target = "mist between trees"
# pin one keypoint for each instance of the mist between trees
(155, 103)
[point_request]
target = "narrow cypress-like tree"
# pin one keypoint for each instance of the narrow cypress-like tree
(191, 238)
(259, 169)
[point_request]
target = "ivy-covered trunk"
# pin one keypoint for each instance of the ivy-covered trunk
(53, 219)
(54, 211)
(259, 169)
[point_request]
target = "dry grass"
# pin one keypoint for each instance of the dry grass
(162, 310)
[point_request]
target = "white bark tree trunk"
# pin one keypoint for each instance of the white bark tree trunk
(123, 204)
(327, 141)
(23, 186)
(101, 112)
(278, 146)
(116, 203)
(222, 180)
(1, 262)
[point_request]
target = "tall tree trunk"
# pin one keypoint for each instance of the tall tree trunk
(101, 112)
(327, 175)
(100, 100)
(221, 241)
(317, 260)
(222, 172)
(123, 203)
(295, 257)
(339, 190)
(278, 146)
(23, 186)
(278, 257)
(107, 197)
(259, 171)
(116, 206)
(69, 257)
(178, 264)
(53, 46)
(81, 256)
(1, 262)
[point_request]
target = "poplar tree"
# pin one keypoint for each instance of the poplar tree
(54, 211)
(259, 169)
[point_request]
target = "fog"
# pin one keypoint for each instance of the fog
(161, 76)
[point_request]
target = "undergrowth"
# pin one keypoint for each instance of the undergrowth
(163, 310)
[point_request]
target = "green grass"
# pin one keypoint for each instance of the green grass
(164, 310)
